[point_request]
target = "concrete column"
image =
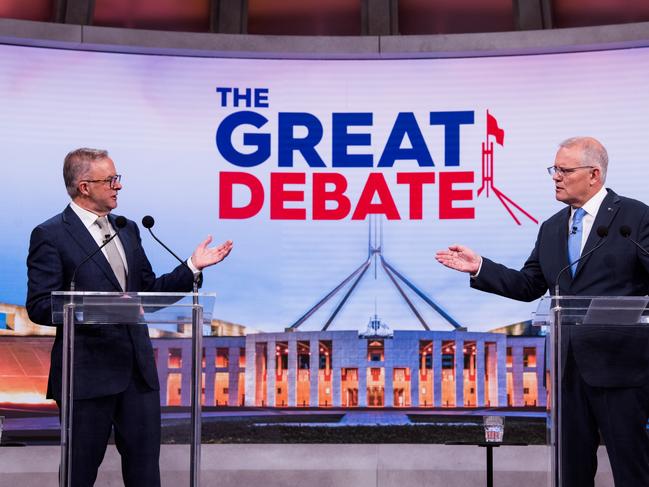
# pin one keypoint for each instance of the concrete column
(388, 395)
(479, 373)
(271, 367)
(336, 379)
(459, 372)
(492, 372)
(314, 360)
(501, 353)
(186, 373)
(292, 370)
(229, 16)
(414, 374)
(517, 376)
(162, 365)
(251, 370)
(233, 376)
(362, 384)
(532, 15)
(210, 373)
(379, 17)
(75, 11)
(437, 372)
(541, 391)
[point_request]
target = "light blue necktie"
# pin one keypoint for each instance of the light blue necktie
(574, 238)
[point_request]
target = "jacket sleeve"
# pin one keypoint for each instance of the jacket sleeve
(180, 279)
(526, 284)
(44, 275)
(643, 239)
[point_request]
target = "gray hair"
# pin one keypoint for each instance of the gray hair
(76, 166)
(593, 152)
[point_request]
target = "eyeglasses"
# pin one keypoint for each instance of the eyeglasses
(565, 171)
(110, 180)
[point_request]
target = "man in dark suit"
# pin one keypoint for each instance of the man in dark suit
(606, 373)
(116, 385)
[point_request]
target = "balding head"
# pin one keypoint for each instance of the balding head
(579, 170)
(592, 150)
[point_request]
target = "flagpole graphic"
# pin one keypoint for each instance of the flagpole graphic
(498, 134)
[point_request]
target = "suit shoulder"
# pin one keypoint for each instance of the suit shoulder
(559, 216)
(633, 204)
(130, 224)
(50, 224)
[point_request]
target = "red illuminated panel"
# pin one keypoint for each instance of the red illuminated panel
(581, 13)
(455, 16)
(40, 10)
(188, 15)
(304, 17)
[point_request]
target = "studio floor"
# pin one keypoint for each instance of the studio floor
(359, 465)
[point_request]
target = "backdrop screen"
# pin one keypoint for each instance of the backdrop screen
(291, 158)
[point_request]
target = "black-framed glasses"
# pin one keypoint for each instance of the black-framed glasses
(564, 171)
(110, 180)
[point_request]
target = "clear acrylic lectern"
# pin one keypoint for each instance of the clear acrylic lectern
(558, 314)
(73, 309)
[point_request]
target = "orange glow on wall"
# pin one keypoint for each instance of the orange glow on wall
(40, 10)
(304, 17)
(455, 16)
(188, 15)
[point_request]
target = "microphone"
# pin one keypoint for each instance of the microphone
(120, 222)
(148, 222)
(574, 230)
(625, 231)
(602, 232)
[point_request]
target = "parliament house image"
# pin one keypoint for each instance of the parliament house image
(347, 369)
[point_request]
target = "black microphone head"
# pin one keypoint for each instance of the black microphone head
(120, 222)
(602, 231)
(148, 221)
(625, 231)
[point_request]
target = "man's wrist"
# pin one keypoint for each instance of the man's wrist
(192, 267)
(475, 274)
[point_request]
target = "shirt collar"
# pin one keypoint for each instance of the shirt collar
(87, 217)
(591, 207)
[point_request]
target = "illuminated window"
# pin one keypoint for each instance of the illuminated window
(174, 383)
(529, 357)
(222, 357)
(375, 350)
(175, 358)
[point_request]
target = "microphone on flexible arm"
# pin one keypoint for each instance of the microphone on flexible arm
(120, 222)
(602, 232)
(625, 231)
(148, 222)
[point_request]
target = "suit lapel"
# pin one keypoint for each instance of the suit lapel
(82, 237)
(605, 216)
(561, 237)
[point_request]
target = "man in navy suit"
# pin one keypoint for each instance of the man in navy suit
(116, 384)
(606, 374)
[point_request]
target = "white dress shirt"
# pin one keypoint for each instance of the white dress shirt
(591, 207)
(89, 219)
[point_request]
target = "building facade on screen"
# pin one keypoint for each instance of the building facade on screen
(404, 368)
(347, 369)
